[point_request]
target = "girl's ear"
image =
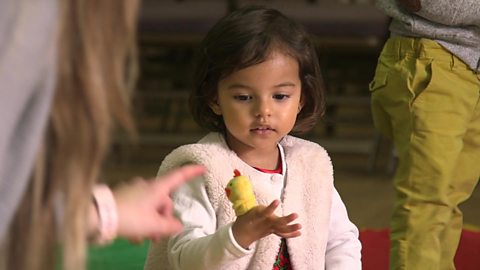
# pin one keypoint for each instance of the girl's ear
(300, 105)
(216, 107)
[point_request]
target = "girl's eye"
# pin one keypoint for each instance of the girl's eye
(242, 97)
(280, 96)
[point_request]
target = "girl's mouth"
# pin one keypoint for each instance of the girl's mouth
(262, 130)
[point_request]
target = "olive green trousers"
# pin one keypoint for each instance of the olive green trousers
(428, 101)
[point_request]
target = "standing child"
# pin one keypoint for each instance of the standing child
(426, 98)
(258, 80)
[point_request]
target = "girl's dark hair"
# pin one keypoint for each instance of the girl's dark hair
(247, 37)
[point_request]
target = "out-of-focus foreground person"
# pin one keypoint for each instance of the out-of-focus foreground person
(66, 68)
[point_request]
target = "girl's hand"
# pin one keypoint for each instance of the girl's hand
(260, 222)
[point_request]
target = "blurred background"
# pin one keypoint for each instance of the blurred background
(349, 35)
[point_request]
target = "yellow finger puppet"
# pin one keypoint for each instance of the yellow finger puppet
(240, 192)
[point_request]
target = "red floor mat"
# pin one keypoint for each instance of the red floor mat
(375, 248)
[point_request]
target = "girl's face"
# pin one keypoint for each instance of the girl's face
(259, 104)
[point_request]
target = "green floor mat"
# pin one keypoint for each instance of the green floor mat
(120, 255)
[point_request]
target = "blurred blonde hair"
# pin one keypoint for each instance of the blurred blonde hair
(96, 70)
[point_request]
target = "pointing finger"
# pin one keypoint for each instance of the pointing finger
(176, 177)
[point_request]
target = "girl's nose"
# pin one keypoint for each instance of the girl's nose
(263, 109)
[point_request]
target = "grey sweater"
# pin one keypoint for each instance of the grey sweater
(27, 77)
(455, 24)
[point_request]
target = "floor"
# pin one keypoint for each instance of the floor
(368, 195)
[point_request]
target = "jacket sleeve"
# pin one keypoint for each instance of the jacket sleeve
(343, 250)
(201, 245)
(27, 83)
(448, 12)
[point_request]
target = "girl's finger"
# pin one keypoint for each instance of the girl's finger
(271, 208)
(289, 235)
(287, 219)
(288, 228)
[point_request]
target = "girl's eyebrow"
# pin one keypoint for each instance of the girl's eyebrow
(238, 86)
(285, 84)
(243, 86)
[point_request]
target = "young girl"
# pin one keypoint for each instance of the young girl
(258, 80)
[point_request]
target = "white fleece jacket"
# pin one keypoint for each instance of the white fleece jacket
(328, 241)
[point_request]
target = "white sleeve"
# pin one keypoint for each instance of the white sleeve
(201, 245)
(343, 247)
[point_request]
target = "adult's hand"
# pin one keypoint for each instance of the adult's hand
(145, 209)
